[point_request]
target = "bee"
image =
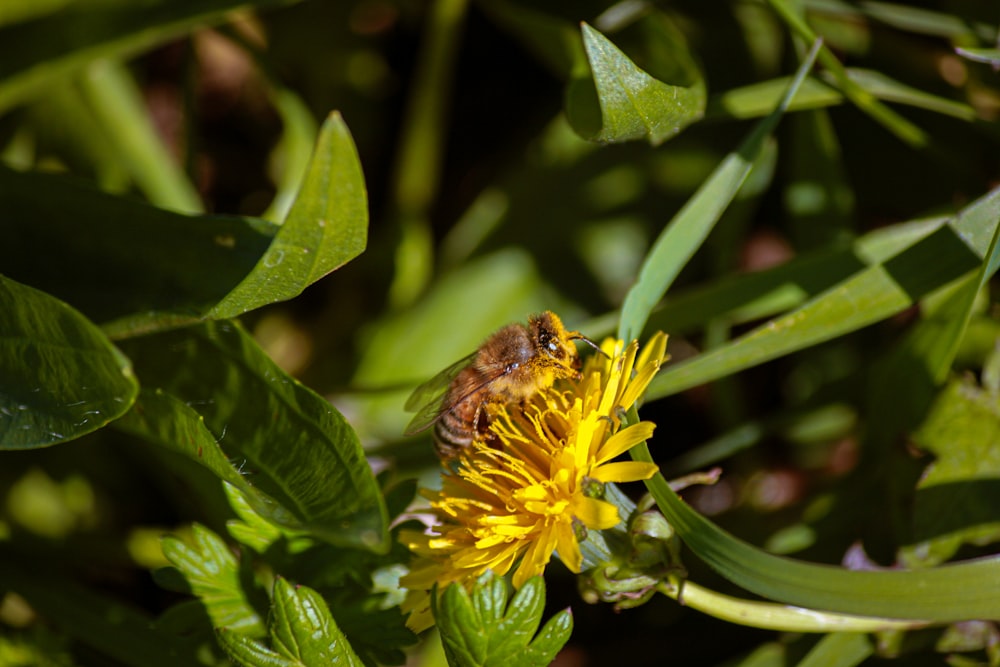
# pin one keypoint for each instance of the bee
(509, 367)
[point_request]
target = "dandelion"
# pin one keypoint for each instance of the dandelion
(533, 486)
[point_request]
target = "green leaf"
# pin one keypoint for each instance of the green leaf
(688, 229)
(483, 631)
(326, 227)
(959, 492)
(758, 99)
(869, 296)
(633, 104)
(47, 49)
(297, 448)
(952, 592)
(213, 574)
(123, 263)
(253, 528)
(861, 98)
(841, 649)
(166, 420)
(108, 627)
(302, 632)
(60, 377)
(135, 268)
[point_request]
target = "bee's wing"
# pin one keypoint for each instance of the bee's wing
(426, 399)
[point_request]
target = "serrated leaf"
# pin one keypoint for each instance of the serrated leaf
(213, 573)
(302, 628)
(326, 227)
(302, 633)
(60, 377)
(295, 446)
(36, 53)
(482, 630)
(633, 104)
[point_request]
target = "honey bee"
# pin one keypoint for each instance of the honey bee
(510, 366)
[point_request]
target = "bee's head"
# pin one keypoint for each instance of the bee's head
(551, 338)
(553, 341)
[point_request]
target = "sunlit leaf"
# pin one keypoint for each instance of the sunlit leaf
(481, 629)
(213, 574)
(842, 649)
(951, 592)
(60, 377)
(326, 227)
(633, 104)
(302, 633)
(958, 495)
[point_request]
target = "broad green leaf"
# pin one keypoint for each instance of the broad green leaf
(482, 630)
(869, 296)
(951, 592)
(633, 104)
(958, 495)
(302, 628)
(213, 574)
(60, 377)
(990, 56)
(297, 448)
(688, 229)
(326, 227)
(134, 268)
(124, 264)
(46, 49)
(166, 420)
(115, 631)
(842, 649)
(302, 633)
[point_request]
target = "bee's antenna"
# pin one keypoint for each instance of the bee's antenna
(576, 335)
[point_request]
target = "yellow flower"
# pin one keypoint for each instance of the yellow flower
(528, 490)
